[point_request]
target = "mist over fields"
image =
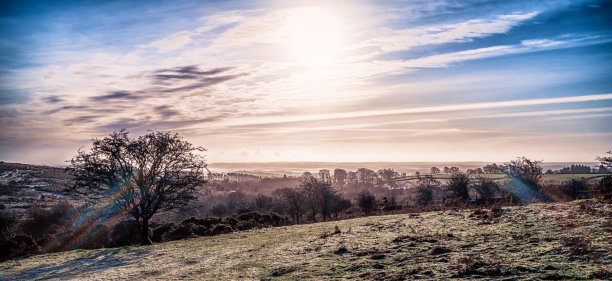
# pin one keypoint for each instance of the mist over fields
(276, 169)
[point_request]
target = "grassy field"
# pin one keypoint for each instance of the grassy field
(539, 241)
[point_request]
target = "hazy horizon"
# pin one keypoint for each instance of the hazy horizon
(304, 81)
(297, 168)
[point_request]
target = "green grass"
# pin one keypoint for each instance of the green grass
(534, 242)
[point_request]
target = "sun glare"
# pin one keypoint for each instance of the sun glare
(316, 36)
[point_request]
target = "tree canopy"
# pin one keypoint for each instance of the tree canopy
(158, 171)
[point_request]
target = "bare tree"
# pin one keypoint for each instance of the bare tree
(309, 186)
(324, 176)
(352, 177)
(365, 175)
(155, 172)
(527, 171)
(294, 202)
(340, 176)
(387, 174)
(326, 200)
(491, 169)
(434, 170)
(606, 161)
(340, 204)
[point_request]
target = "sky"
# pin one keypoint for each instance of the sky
(340, 81)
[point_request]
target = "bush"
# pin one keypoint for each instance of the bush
(184, 230)
(162, 232)
(576, 188)
(367, 202)
(221, 229)
(97, 237)
(485, 189)
(425, 188)
(246, 225)
(529, 172)
(459, 186)
(250, 216)
(19, 245)
(124, 233)
(42, 221)
(219, 210)
(208, 222)
(230, 221)
(605, 187)
(8, 224)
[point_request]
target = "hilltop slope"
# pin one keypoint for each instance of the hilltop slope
(539, 241)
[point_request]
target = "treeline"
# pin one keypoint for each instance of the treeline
(580, 169)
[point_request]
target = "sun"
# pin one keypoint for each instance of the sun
(315, 35)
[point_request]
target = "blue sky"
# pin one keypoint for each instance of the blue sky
(310, 81)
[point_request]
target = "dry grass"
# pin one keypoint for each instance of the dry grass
(539, 241)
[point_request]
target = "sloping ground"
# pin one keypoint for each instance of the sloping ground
(539, 241)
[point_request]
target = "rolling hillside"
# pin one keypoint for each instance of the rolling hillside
(539, 241)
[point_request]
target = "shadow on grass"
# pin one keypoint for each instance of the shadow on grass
(84, 266)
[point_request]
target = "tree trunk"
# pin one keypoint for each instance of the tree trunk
(144, 233)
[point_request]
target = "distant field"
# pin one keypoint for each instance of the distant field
(534, 242)
(563, 177)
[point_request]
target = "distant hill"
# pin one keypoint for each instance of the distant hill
(22, 185)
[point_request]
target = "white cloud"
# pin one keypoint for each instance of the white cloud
(397, 40)
(173, 42)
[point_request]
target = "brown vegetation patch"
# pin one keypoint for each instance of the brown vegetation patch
(477, 265)
(283, 270)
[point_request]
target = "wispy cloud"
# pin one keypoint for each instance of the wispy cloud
(403, 39)
(428, 109)
(287, 74)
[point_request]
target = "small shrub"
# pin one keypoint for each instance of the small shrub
(42, 220)
(527, 171)
(246, 225)
(208, 222)
(221, 229)
(605, 187)
(485, 188)
(578, 245)
(219, 210)
(230, 221)
(97, 237)
(163, 232)
(367, 202)
(476, 265)
(282, 271)
(8, 224)
(458, 186)
(576, 188)
(425, 189)
(20, 245)
(256, 216)
(124, 233)
(183, 231)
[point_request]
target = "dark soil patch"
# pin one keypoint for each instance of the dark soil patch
(282, 271)
(341, 251)
(438, 251)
